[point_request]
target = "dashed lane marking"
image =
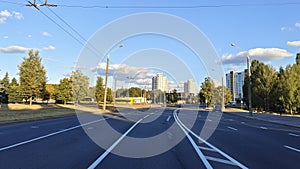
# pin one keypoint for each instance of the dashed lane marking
(292, 148)
(168, 119)
(48, 135)
(292, 134)
(232, 128)
(265, 128)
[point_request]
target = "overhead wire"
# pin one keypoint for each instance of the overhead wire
(170, 6)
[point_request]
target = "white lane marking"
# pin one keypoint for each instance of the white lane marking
(147, 116)
(168, 119)
(34, 127)
(200, 154)
(101, 158)
(265, 128)
(90, 128)
(292, 134)
(292, 148)
(219, 160)
(209, 120)
(48, 135)
(213, 147)
(206, 148)
(242, 122)
(232, 128)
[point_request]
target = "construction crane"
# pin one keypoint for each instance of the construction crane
(34, 4)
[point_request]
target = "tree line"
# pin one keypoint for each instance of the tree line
(272, 90)
(32, 85)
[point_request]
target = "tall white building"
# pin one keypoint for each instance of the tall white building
(159, 82)
(190, 87)
(235, 82)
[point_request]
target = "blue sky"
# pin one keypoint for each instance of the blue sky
(268, 30)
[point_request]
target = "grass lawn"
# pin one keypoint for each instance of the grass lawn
(24, 112)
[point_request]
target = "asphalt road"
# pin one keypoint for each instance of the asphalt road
(153, 138)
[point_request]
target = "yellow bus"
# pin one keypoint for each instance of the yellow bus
(127, 100)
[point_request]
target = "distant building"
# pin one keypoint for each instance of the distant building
(235, 82)
(190, 87)
(159, 82)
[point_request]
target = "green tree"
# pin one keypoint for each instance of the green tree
(99, 90)
(109, 96)
(290, 89)
(206, 91)
(4, 88)
(63, 91)
(298, 58)
(13, 92)
(263, 80)
(218, 93)
(5, 80)
(135, 92)
(80, 85)
(32, 76)
(174, 96)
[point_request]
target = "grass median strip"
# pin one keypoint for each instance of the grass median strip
(22, 112)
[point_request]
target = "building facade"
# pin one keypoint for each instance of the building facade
(159, 82)
(235, 82)
(190, 87)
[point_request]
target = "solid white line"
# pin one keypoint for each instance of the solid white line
(265, 128)
(292, 134)
(206, 148)
(48, 135)
(168, 119)
(147, 116)
(232, 128)
(101, 158)
(200, 154)
(213, 147)
(292, 148)
(219, 160)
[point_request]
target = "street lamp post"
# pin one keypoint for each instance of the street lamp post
(249, 80)
(106, 79)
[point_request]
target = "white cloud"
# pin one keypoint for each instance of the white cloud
(14, 49)
(285, 28)
(293, 43)
(234, 68)
(5, 13)
(2, 20)
(18, 15)
(5, 37)
(46, 34)
(129, 74)
(262, 54)
(29, 36)
(49, 48)
(297, 24)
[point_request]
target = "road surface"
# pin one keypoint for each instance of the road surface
(237, 142)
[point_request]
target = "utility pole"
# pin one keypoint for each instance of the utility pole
(223, 95)
(115, 93)
(106, 79)
(249, 84)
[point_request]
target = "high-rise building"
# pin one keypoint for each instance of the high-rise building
(235, 82)
(159, 82)
(190, 87)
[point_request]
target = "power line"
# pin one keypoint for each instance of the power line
(182, 7)
(74, 30)
(170, 6)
